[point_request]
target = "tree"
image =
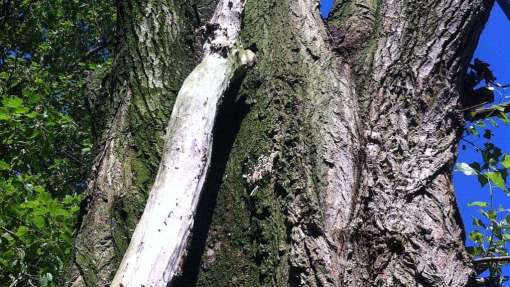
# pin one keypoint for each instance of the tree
(332, 158)
(45, 49)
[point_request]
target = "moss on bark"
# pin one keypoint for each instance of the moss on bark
(269, 200)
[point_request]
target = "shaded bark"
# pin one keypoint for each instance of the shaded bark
(157, 46)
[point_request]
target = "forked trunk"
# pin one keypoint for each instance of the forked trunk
(378, 193)
(339, 173)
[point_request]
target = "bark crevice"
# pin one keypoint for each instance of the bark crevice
(230, 115)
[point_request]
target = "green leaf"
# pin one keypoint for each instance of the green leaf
(472, 130)
(475, 250)
(38, 221)
(503, 117)
(506, 161)
(12, 102)
(482, 180)
(477, 222)
(4, 116)
(4, 165)
(493, 122)
(22, 231)
(478, 204)
(476, 237)
(491, 215)
(21, 110)
(32, 96)
(499, 108)
(487, 134)
(32, 115)
(497, 179)
(466, 169)
(46, 279)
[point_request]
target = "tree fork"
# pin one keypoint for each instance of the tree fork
(297, 192)
(158, 246)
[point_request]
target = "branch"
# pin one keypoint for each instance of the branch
(505, 5)
(486, 260)
(158, 246)
(96, 49)
(11, 233)
(483, 113)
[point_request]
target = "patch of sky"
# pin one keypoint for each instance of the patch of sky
(493, 48)
(326, 6)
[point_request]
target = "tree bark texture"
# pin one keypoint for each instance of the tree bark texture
(405, 229)
(373, 204)
(159, 242)
(332, 161)
(158, 45)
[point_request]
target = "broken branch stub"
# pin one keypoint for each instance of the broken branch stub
(158, 246)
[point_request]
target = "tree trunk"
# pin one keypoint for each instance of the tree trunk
(159, 242)
(405, 229)
(158, 45)
(372, 205)
(343, 140)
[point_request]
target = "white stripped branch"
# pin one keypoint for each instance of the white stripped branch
(158, 246)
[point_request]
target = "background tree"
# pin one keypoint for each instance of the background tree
(45, 49)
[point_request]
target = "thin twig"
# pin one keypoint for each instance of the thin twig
(496, 259)
(479, 114)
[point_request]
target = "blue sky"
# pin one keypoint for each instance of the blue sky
(493, 48)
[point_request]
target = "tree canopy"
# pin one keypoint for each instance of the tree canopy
(47, 49)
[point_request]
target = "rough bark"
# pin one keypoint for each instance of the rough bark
(339, 174)
(157, 46)
(396, 222)
(405, 229)
(158, 245)
(288, 183)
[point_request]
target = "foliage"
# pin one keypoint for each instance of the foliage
(36, 232)
(46, 49)
(491, 234)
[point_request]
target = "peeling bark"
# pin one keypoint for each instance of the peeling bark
(158, 246)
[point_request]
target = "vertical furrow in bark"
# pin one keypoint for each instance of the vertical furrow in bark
(156, 50)
(405, 229)
(294, 161)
